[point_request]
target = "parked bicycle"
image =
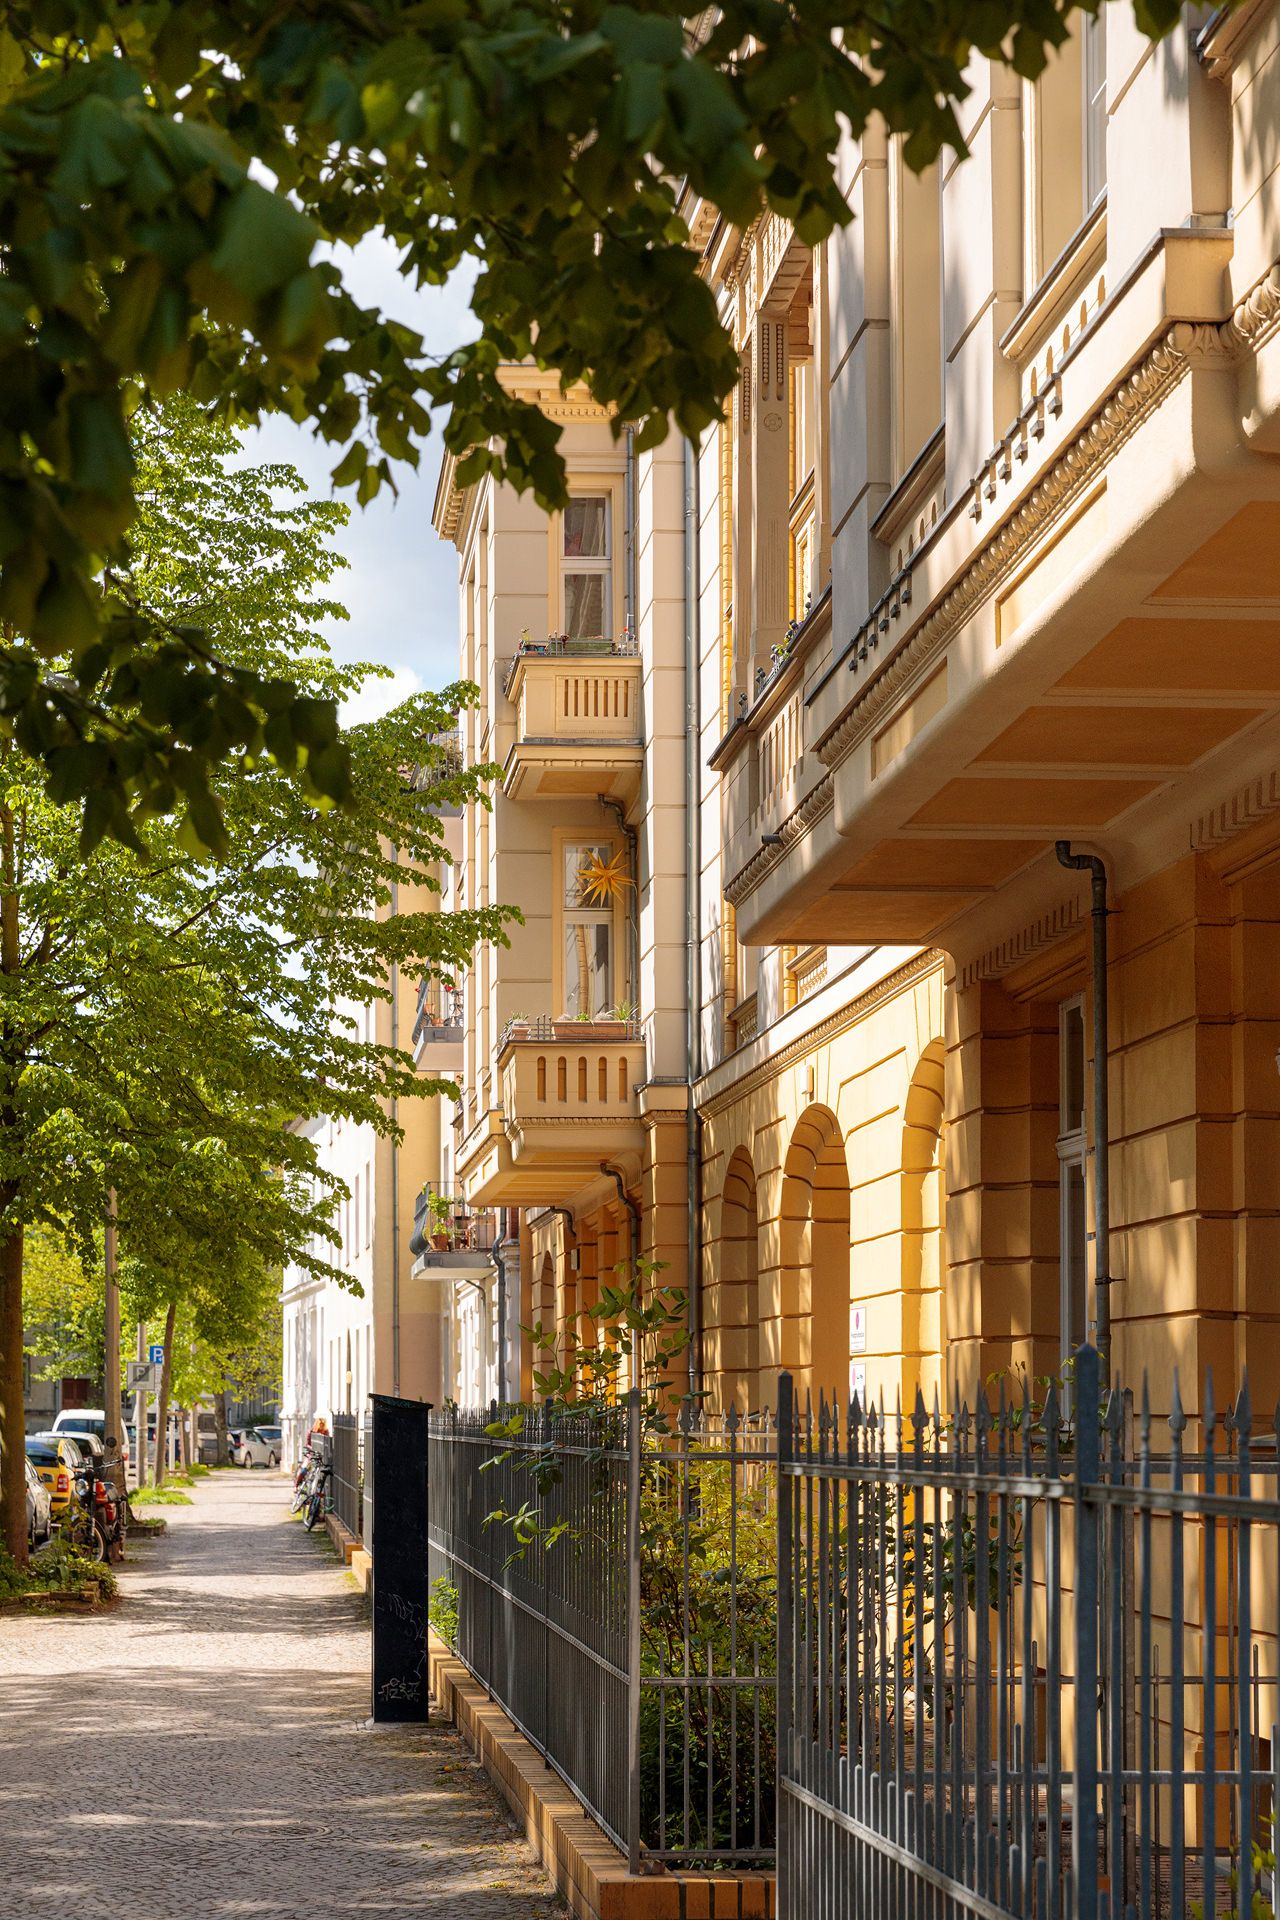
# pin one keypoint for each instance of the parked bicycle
(317, 1493)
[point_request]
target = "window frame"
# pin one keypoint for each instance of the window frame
(606, 487)
(614, 916)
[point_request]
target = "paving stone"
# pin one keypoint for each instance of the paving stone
(204, 1748)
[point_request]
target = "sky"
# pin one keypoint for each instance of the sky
(401, 586)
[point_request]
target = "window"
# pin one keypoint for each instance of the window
(915, 231)
(1095, 109)
(587, 919)
(1073, 1223)
(586, 569)
(1068, 115)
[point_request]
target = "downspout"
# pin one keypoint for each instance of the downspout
(395, 1150)
(1097, 871)
(693, 918)
(633, 1244)
(500, 1262)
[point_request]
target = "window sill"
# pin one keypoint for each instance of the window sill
(1086, 247)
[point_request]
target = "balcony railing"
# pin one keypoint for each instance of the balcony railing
(543, 1028)
(443, 1223)
(558, 645)
(438, 1012)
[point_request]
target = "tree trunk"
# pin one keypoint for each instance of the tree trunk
(220, 1428)
(13, 1473)
(184, 1446)
(162, 1403)
(111, 1401)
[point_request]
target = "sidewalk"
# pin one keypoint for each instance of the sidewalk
(201, 1749)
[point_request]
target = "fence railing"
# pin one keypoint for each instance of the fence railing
(348, 1474)
(1028, 1665)
(631, 1635)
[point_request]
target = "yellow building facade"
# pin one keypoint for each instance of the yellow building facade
(985, 560)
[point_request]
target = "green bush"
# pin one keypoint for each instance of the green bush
(59, 1569)
(442, 1610)
(729, 1592)
(160, 1497)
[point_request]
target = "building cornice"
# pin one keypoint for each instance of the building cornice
(1185, 346)
(821, 1034)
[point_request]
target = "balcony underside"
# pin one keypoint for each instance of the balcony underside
(1120, 688)
(573, 770)
(547, 1163)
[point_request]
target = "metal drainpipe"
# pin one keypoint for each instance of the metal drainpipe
(395, 1151)
(693, 917)
(1096, 869)
(500, 1262)
(633, 1244)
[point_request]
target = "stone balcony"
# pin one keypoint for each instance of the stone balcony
(569, 1093)
(450, 1240)
(579, 728)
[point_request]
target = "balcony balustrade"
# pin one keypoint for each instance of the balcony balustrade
(579, 727)
(449, 1236)
(437, 1027)
(569, 1093)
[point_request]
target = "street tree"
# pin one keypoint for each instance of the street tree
(165, 1014)
(171, 172)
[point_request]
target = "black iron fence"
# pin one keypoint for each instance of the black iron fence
(348, 1472)
(621, 1608)
(1028, 1663)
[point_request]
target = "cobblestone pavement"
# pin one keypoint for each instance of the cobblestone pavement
(202, 1749)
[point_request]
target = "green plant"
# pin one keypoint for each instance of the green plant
(169, 1496)
(442, 1610)
(624, 1011)
(61, 1568)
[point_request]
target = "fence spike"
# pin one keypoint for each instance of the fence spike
(919, 1414)
(1210, 1415)
(732, 1419)
(1244, 1408)
(1178, 1418)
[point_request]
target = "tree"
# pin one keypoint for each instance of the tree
(165, 1015)
(549, 142)
(62, 1306)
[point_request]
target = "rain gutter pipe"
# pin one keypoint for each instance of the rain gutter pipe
(1096, 869)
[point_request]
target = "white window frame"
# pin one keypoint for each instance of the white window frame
(601, 564)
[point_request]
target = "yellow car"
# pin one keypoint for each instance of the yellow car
(55, 1459)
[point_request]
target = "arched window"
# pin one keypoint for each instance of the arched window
(815, 1256)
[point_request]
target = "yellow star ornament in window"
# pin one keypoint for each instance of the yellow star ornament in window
(602, 881)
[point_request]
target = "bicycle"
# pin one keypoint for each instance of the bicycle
(318, 1488)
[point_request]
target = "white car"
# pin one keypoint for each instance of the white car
(258, 1447)
(75, 1420)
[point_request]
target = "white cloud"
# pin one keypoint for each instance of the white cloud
(377, 695)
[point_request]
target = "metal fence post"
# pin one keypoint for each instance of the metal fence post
(1084, 1831)
(785, 1673)
(633, 1630)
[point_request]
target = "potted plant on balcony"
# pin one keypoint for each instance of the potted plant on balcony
(440, 1212)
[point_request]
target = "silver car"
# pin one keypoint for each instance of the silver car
(258, 1447)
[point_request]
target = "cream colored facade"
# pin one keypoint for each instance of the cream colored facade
(985, 559)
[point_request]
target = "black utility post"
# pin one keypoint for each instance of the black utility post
(399, 1548)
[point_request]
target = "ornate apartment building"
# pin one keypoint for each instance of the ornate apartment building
(796, 734)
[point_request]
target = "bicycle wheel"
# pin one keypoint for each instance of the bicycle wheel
(315, 1511)
(299, 1498)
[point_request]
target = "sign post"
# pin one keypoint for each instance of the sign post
(399, 1548)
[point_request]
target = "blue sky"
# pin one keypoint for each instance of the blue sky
(401, 585)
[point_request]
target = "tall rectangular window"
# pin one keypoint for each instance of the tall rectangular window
(1095, 109)
(915, 240)
(586, 568)
(587, 929)
(1073, 1221)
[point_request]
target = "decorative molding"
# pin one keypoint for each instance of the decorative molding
(1111, 425)
(928, 961)
(1257, 315)
(1243, 809)
(811, 809)
(1052, 926)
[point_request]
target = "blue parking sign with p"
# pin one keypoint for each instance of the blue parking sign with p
(156, 1356)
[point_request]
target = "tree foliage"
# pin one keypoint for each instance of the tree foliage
(551, 143)
(165, 1016)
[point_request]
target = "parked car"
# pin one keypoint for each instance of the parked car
(39, 1509)
(258, 1447)
(91, 1420)
(56, 1459)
